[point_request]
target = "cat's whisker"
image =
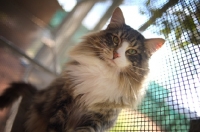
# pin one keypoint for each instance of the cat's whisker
(90, 46)
(132, 77)
(104, 49)
(135, 79)
(95, 51)
(135, 72)
(140, 68)
(102, 53)
(98, 52)
(104, 45)
(131, 90)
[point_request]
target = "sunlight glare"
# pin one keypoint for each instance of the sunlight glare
(67, 5)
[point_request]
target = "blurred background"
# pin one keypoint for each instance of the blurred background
(35, 36)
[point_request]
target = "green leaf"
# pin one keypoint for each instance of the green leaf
(178, 32)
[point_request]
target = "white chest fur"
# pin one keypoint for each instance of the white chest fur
(97, 82)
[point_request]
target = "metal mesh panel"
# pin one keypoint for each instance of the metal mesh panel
(172, 101)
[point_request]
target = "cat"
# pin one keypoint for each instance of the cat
(105, 75)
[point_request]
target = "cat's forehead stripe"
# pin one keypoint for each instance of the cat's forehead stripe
(130, 35)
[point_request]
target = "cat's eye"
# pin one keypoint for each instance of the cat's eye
(116, 40)
(131, 51)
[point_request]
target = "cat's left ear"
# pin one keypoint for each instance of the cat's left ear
(117, 17)
(153, 44)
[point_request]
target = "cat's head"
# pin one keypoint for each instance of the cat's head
(119, 46)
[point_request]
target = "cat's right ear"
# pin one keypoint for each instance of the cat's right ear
(153, 44)
(117, 17)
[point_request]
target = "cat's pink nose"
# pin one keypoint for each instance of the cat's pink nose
(115, 55)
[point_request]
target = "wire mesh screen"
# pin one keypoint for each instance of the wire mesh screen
(172, 101)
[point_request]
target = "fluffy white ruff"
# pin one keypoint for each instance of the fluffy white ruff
(97, 81)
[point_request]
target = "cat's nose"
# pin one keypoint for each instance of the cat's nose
(115, 55)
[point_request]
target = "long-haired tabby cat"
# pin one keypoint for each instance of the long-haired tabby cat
(105, 74)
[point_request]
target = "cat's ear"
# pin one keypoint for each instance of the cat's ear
(153, 44)
(117, 17)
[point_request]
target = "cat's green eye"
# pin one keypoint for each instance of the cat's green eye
(116, 40)
(132, 51)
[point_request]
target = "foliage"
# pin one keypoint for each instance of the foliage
(180, 22)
